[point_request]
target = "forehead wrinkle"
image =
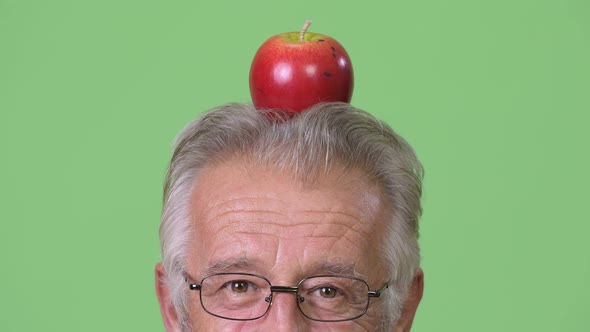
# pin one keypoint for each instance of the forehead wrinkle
(288, 231)
(349, 238)
(325, 237)
(254, 228)
(292, 232)
(355, 216)
(359, 226)
(220, 222)
(267, 218)
(220, 207)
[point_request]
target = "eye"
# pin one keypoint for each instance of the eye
(328, 292)
(239, 286)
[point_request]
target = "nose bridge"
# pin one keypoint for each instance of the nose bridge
(284, 314)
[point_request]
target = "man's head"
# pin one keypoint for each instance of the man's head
(331, 191)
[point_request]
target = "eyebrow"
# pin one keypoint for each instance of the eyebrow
(244, 264)
(232, 264)
(342, 269)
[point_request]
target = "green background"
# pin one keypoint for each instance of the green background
(494, 96)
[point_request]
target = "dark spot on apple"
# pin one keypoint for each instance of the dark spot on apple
(321, 40)
(334, 55)
(333, 49)
(327, 74)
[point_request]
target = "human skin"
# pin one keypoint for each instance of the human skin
(278, 228)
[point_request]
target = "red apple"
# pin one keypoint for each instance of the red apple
(295, 70)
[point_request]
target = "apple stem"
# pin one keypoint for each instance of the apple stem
(304, 29)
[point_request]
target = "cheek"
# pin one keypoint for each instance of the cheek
(358, 325)
(202, 321)
(207, 322)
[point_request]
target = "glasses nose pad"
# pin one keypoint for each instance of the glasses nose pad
(300, 299)
(268, 298)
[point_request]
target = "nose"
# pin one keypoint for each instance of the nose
(284, 315)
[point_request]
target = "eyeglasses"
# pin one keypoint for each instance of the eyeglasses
(245, 296)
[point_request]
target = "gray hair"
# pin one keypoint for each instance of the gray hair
(329, 136)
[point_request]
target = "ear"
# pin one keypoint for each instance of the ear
(404, 324)
(166, 308)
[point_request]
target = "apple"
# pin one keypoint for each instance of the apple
(295, 70)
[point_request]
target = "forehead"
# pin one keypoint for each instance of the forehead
(265, 219)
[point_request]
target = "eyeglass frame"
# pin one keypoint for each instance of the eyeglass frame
(285, 289)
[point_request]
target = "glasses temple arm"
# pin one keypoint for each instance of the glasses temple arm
(377, 292)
